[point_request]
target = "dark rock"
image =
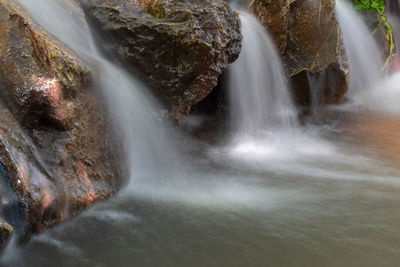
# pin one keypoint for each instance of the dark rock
(6, 232)
(54, 139)
(179, 46)
(309, 39)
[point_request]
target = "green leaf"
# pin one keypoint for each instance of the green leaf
(379, 7)
(359, 7)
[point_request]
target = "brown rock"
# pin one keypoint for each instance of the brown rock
(309, 39)
(394, 65)
(54, 140)
(180, 47)
(6, 232)
(274, 15)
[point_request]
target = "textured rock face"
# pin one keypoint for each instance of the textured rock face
(309, 39)
(274, 15)
(181, 46)
(54, 141)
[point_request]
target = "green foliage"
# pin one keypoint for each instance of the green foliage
(371, 5)
(379, 6)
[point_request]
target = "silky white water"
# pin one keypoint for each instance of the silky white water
(239, 3)
(361, 49)
(132, 112)
(262, 116)
(329, 197)
(371, 87)
(259, 97)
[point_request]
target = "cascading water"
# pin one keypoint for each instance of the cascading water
(311, 204)
(133, 113)
(370, 87)
(236, 4)
(259, 96)
(361, 49)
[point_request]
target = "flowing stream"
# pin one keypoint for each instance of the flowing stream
(371, 88)
(362, 51)
(326, 196)
(145, 139)
(259, 97)
(262, 114)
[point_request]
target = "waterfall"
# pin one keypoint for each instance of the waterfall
(239, 3)
(259, 97)
(132, 112)
(361, 49)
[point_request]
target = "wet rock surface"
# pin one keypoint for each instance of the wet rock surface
(6, 232)
(181, 46)
(274, 15)
(308, 36)
(54, 139)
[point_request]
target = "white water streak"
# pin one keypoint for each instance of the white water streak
(361, 49)
(259, 96)
(133, 113)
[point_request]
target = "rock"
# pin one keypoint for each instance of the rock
(274, 15)
(394, 65)
(54, 139)
(311, 46)
(393, 7)
(6, 232)
(179, 46)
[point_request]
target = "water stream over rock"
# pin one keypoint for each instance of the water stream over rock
(133, 113)
(259, 97)
(361, 49)
(318, 195)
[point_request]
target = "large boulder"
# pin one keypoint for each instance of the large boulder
(310, 42)
(54, 139)
(179, 46)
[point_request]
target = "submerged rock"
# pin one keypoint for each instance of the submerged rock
(310, 42)
(54, 140)
(380, 132)
(180, 46)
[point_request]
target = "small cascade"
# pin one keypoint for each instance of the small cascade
(236, 4)
(317, 83)
(259, 96)
(361, 49)
(132, 112)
